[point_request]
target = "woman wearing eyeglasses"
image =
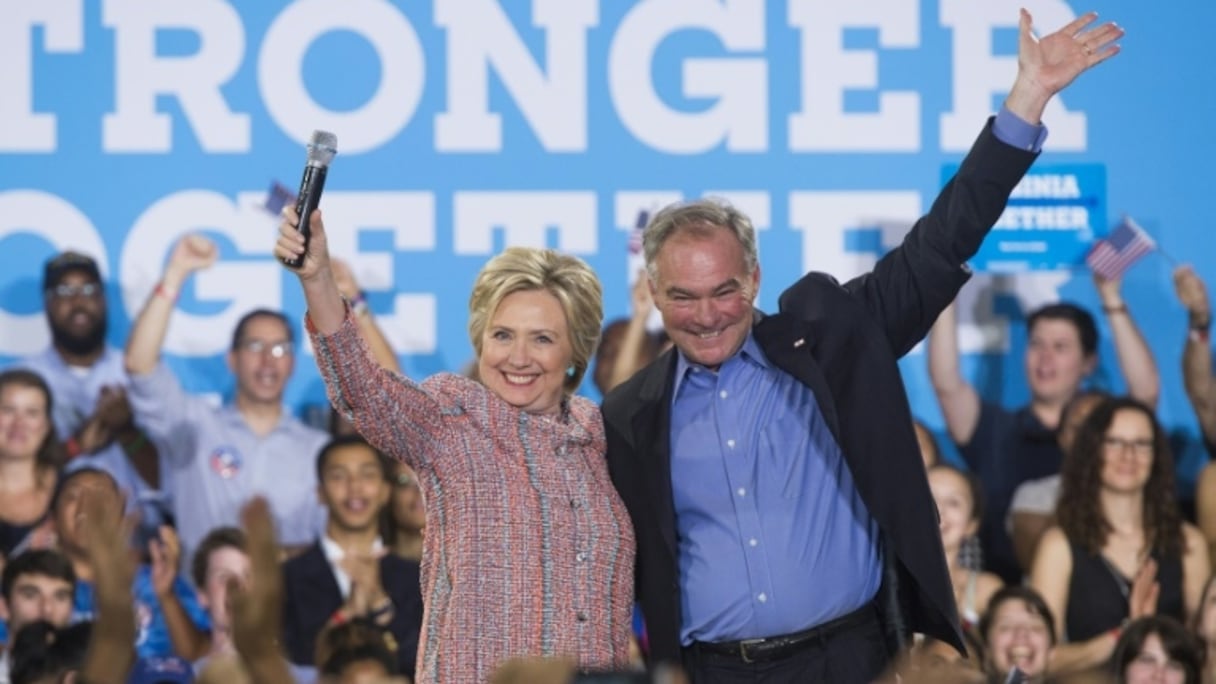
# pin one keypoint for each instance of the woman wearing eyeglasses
(1120, 550)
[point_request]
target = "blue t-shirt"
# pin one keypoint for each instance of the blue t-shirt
(151, 633)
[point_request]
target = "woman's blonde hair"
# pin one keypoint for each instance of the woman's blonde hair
(569, 279)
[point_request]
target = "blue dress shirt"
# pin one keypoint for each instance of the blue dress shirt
(773, 536)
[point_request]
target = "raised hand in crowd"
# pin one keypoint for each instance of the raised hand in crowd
(1193, 294)
(344, 278)
(1197, 355)
(637, 346)
(165, 553)
(1135, 358)
(191, 253)
(111, 649)
(256, 609)
(1200, 387)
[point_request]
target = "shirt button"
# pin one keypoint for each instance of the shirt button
(580, 616)
(730, 443)
(741, 491)
(580, 557)
(752, 542)
(573, 503)
(762, 598)
(722, 394)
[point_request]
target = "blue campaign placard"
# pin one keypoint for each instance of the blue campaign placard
(1050, 223)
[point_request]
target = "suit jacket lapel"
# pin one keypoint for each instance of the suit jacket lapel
(318, 578)
(789, 344)
(651, 425)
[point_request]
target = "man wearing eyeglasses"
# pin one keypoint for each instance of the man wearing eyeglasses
(217, 458)
(89, 386)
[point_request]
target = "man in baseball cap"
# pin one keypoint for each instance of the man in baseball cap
(88, 384)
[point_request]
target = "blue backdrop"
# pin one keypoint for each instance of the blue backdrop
(467, 125)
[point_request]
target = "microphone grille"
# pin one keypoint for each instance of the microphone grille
(322, 147)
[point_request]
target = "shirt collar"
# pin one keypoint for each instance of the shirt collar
(1032, 428)
(334, 553)
(750, 352)
(233, 415)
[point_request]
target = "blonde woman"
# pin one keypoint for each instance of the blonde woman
(529, 550)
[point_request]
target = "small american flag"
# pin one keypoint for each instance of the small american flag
(277, 197)
(1112, 255)
(635, 236)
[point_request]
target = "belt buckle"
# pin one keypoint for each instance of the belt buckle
(743, 646)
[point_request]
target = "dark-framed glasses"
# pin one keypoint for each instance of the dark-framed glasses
(1139, 447)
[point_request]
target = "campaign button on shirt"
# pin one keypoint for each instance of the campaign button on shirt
(143, 621)
(226, 462)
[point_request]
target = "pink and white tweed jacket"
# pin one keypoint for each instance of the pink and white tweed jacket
(528, 549)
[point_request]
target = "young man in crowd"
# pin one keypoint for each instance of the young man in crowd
(222, 557)
(348, 574)
(37, 585)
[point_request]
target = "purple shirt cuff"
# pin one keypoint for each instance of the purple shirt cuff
(1010, 129)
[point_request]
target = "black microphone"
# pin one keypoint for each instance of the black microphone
(321, 150)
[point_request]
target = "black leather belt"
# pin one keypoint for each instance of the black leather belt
(778, 647)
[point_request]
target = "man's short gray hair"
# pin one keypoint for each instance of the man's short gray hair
(699, 217)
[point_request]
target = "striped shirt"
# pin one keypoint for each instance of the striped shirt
(528, 549)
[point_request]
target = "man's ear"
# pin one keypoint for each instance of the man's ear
(4, 611)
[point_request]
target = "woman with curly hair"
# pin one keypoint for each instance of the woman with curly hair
(1120, 550)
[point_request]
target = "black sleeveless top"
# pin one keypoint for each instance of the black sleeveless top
(12, 534)
(1097, 593)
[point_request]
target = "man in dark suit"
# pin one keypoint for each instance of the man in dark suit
(347, 574)
(785, 528)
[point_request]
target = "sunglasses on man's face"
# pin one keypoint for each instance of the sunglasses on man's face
(65, 291)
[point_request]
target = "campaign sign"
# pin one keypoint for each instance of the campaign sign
(1050, 222)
